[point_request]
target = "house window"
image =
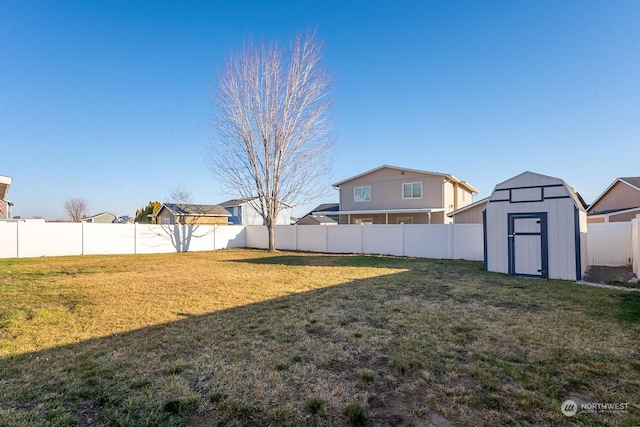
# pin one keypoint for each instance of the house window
(412, 190)
(405, 220)
(362, 194)
(167, 221)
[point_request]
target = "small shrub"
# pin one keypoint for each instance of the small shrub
(367, 375)
(282, 367)
(314, 406)
(180, 405)
(216, 397)
(355, 414)
(296, 359)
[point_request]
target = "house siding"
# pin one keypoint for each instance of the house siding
(470, 216)
(620, 196)
(386, 191)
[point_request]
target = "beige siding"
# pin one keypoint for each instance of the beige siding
(623, 217)
(203, 220)
(620, 196)
(595, 220)
(164, 213)
(386, 190)
(470, 216)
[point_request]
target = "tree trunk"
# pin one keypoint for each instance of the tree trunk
(271, 227)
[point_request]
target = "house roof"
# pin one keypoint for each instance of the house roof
(320, 219)
(444, 175)
(195, 210)
(470, 206)
(236, 202)
(633, 182)
(5, 182)
(98, 215)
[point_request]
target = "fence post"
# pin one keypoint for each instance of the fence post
(402, 229)
(82, 223)
(135, 238)
(18, 236)
(450, 236)
(361, 238)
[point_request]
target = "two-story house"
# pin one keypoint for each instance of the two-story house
(394, 195)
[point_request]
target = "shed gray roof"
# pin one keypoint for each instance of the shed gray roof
(236, 202)
(196, 210)
(320, 219)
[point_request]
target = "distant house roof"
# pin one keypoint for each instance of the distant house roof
(240, 201)
(236, 202)
(320, 219)
(445, 175)
(195, 210)
(327, 207)
(633, 182)
(101, 214)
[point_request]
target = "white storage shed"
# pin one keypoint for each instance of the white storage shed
(535, 225)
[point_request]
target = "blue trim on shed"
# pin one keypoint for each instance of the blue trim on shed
(578, 248)
(484, 237)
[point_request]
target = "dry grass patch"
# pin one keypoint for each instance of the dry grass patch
(245, 337)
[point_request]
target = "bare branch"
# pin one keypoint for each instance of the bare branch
(76, 209)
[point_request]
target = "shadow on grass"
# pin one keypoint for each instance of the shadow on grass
(404, 347)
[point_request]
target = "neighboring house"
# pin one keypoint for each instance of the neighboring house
(242, 212)
(470, 214)
(313, 219)
(330, 210)
(101, 218)
(5, 205)
(619, 202)
(189, 214)
(394, 195)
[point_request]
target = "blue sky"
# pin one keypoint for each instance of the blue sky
(108, 100)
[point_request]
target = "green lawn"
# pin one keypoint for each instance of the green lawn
(242, 337)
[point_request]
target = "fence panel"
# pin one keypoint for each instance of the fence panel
(157, 239)
(286, 237)
(108, 239)
(467, 242)
(8, 239)
(230, 236)
(344, 239)
(609, 244)
(312, 238)
(36, 239)
(383, 239)
(257, 236)
(427, 241)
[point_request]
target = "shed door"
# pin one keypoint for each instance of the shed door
(528, 251)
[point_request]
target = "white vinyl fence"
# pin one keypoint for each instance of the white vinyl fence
(32, 238)
(452, 241)
(608, 244)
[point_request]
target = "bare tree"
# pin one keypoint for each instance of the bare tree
(76, 209)
(180, 195)
(271, 126)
